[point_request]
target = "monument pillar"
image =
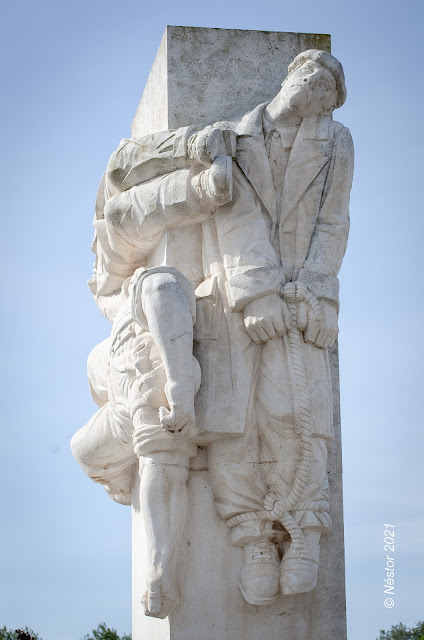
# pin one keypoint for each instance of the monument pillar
(200, 76)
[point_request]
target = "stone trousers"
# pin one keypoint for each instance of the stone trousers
(244, 470)
(127, 380)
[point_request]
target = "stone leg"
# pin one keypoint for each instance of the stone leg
(162, 410)
(136, 219)
(163, 302)
(106, 455)
(247, 473)
(103, 447)
(164, 503)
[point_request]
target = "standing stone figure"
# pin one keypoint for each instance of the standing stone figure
(231, 236)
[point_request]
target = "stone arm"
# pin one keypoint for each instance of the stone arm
(138, 160)
(250, 262)
(329, 240)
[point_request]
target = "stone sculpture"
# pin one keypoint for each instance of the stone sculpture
(230, 236)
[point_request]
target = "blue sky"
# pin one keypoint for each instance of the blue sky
(73, 73)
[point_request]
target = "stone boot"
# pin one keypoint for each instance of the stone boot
(259, 578)
(299, 571)
(215, 185)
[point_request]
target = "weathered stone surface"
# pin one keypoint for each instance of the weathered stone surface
(203, 75)
(220, 246)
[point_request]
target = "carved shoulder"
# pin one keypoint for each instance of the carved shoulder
(343, 138)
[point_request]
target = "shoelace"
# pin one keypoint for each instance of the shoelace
(262, 551)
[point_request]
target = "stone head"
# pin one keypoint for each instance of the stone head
(315, 84)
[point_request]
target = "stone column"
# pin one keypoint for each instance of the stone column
(200, 76)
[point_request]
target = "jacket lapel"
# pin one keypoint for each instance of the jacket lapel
(310, 152)
(252, 159)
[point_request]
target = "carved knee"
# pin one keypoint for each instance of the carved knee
(163, 284)
(115, 209)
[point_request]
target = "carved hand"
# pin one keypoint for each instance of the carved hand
(209, 143)
(179, 418)
(266, 317)
(322, 334)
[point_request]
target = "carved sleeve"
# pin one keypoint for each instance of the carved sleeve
(329, 240)
(250, 262)
(138, 160)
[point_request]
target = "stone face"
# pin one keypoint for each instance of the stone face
(217, 252)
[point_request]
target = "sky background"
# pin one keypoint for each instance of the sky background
(72, 75)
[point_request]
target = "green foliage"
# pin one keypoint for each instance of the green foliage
(102, 632)
(18, 634)
(26, 634)
(105, 633)
(400, 632)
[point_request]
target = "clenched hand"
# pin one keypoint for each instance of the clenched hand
(266, 318)
(323, 334)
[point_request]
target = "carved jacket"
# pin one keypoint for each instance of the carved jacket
(313, 223)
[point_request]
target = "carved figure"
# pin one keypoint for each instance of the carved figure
(238, 229)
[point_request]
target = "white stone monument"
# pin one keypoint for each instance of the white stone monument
(221, 225)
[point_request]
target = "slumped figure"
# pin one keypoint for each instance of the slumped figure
(240, 230)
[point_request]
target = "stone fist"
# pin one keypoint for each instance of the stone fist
(322, 334)
(266, 317)
(209, 143)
